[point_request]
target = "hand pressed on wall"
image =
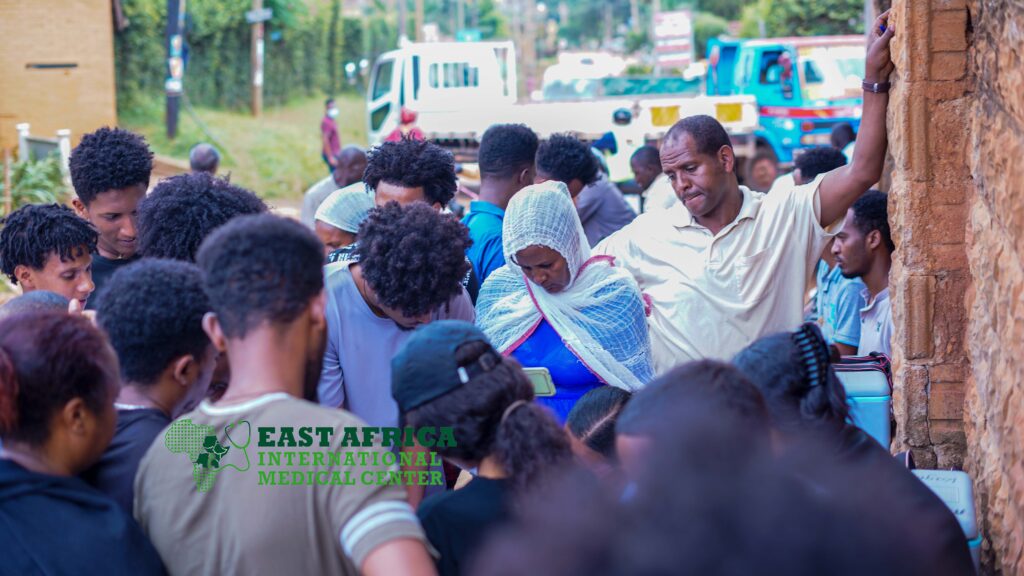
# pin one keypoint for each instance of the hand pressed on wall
(878, 64)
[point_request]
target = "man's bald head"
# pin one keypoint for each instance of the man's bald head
(351, 165)
(204, 158)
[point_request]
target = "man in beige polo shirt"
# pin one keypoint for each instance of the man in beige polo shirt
(726, 265)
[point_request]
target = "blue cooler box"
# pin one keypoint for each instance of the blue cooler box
(956, 490)
(870, 400)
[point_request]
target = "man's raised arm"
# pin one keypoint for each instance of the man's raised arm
(840, 188)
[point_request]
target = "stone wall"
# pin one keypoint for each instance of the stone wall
(956, 127)
(929, 123)
(995, 304)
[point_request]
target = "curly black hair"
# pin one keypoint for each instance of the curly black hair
(46, 360)
(33, 232)
(413, 257)
(411, 164)
(819, 160)
(527, 442)
(260, 268)
(506, 149)
(109, 159)
(565, 158)
(871, 212)
(152, 311)
(183, 210)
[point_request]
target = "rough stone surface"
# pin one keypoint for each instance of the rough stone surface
(929, 132)
(956, 128)
(994, 413)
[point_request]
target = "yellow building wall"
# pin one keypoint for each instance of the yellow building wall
(81, 98)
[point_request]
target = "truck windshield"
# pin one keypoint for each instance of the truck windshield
(831, 73)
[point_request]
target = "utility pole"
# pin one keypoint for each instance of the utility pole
(530, 44)
(419, 21)
(403, 7)
(175, 64)
(655, 10)
(257, 58)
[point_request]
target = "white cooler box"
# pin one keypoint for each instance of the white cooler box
(956, 490)
(869, 392)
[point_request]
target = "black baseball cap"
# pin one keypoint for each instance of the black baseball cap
(425, 368)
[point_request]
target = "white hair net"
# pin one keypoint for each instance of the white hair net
(600, 315)
(346, 209)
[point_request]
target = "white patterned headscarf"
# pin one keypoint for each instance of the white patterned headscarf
(600, 315)
(346, 209)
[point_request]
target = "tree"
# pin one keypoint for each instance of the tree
(705, 27)
(801, 18)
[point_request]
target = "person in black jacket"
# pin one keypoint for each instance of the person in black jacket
(58, 381)
(808, 406)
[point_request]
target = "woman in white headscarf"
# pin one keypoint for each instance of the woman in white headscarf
(339, 216)
(554, 306)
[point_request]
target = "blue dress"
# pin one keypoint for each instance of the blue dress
(545, 349)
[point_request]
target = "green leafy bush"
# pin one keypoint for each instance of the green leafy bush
(35, 182)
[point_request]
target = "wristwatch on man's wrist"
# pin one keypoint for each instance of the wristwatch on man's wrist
(876, 87)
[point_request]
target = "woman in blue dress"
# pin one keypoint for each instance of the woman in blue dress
(554, 306)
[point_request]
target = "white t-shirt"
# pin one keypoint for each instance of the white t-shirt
(875, 324)
(712, 295)
(660, 195)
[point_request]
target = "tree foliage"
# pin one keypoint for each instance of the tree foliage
(802, 18)
(705, 27)
(306, 47)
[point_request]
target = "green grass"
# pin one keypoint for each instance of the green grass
(276, 156)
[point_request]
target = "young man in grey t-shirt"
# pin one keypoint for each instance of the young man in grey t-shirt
(863, 249)
(209, 494)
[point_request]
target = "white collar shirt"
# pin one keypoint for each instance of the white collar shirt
(713, 294)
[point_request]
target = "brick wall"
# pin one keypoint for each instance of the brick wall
(956, 128)
(995, 304)
(48, 32)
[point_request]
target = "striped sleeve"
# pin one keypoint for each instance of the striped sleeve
(377, 524)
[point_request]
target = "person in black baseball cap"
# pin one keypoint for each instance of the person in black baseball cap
(449, 375)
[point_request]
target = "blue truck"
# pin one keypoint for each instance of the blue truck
(804, 87)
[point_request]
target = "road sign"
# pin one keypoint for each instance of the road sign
(673, 38)
(257, 16)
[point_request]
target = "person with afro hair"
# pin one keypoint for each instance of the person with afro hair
(183, 210)
(47, 247)
(411, 260)
(411, 171)
(567, 160)
(153, 315)
(863, 249)
(110, 170)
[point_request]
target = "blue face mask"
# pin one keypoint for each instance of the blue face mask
(332, 112)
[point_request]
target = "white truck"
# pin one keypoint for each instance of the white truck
(460, 89)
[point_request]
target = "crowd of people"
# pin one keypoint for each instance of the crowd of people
(627, 394)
